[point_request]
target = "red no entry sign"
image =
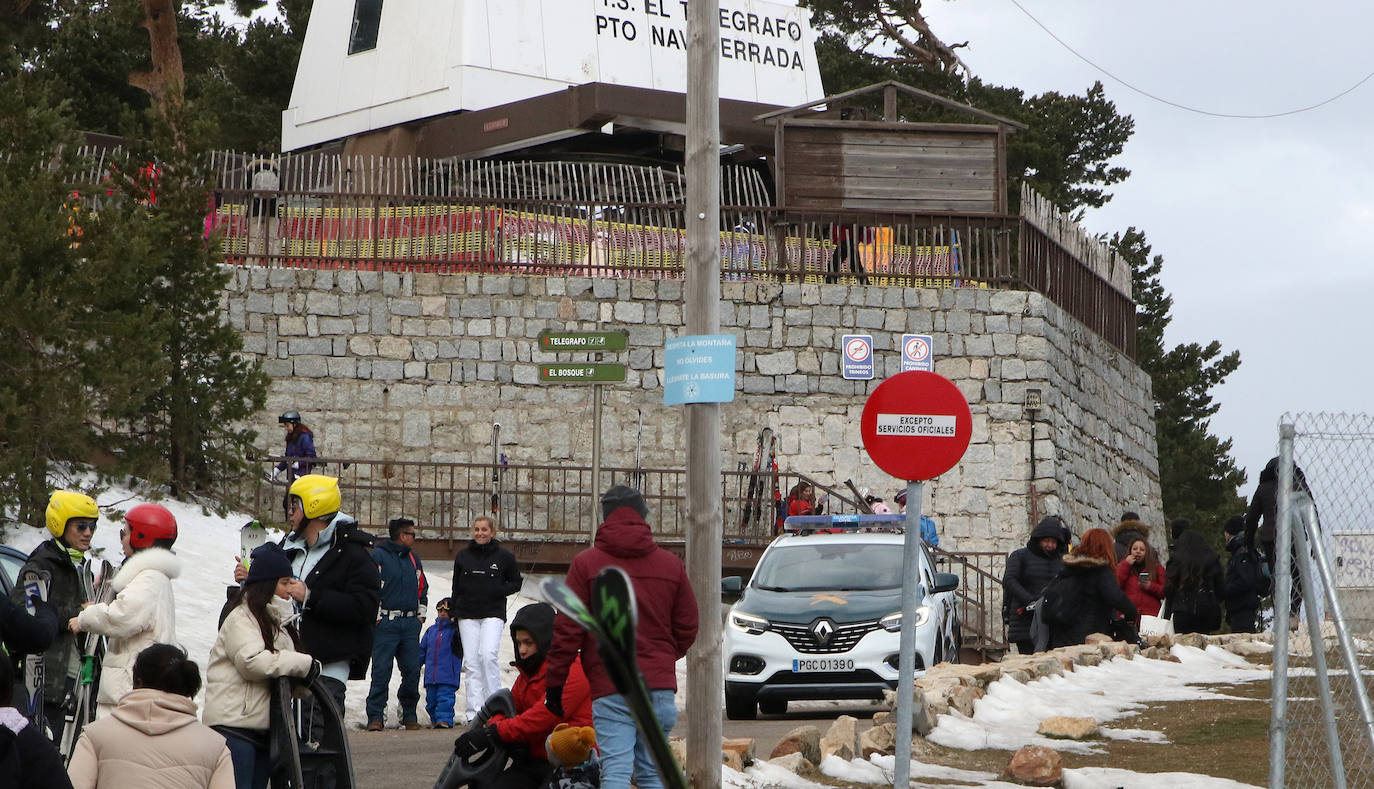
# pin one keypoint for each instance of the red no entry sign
(916, 425)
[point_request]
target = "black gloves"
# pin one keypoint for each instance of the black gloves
(311, 675)
(553, 699)
(473, 742)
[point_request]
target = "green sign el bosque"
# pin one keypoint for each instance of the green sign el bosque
(554, 341)
(582, 373)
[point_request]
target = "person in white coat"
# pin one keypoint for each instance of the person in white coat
(254, 646)
(143, 611)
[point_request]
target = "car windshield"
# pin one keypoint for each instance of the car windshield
(832, 566)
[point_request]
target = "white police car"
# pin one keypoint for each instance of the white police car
(821, 619)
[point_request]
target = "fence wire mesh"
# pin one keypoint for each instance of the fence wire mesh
(1321, 695)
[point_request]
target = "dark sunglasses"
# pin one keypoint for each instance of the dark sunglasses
(82, 525)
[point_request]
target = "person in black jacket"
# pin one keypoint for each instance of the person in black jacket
(71, 518)
(484, 575)
(341, 589)
(27, 758)
(1246, 581)
(1261, 521)
(1092, 569)
(1193, 586)
(1028, 570)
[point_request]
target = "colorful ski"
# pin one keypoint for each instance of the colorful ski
(749, 514)
(496, 473)
(251, 536)
(35, 583)
(611, 620)
(79, 704)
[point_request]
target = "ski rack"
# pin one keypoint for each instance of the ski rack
(802, 524)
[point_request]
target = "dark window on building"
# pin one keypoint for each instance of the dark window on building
(367, 18)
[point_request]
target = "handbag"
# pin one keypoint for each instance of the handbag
(1155, 626)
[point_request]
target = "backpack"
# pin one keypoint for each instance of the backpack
(1061, 604)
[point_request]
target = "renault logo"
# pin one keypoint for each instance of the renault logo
(822, 631)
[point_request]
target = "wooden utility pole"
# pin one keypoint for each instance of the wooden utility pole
(705, 676)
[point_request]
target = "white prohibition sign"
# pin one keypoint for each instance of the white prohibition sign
(857, 350)
(916, 349)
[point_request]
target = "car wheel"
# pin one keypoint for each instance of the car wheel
(741, 706)
(773, 706)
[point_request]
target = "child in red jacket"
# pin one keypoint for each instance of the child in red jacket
(531, 630)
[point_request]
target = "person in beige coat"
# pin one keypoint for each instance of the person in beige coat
(143, 611)
(152, 740)
(253, 647)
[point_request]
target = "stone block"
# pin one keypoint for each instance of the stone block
(878, 740)
(394, 348)
(1035, 765)
(744, 746)
(310, 366)
(805, 740)
(782, 363)
(1060, 727)
(841, 739)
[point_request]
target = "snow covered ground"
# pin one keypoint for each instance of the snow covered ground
(1006, 717)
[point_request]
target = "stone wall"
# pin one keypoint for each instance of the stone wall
(417, 367)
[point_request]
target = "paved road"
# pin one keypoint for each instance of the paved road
(397, 759)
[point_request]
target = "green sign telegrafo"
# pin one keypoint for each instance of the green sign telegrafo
(582, 373)
(554, 341)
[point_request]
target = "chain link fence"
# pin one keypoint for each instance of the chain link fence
(1322, 548)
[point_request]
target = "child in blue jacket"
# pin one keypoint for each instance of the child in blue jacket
(441, 654)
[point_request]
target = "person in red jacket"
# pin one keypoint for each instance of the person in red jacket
(1141, 577)
(523, 736)
(667, 628)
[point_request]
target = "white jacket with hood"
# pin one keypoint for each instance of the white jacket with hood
(142, 613)
(152, 740)
(237, 688)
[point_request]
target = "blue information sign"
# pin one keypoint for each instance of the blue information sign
(699, 369)
(856, 357)
(918, 353)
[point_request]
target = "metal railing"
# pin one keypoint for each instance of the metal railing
(528, 501)
(979, 596)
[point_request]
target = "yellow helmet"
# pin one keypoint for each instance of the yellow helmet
(319, 494)
(65, 505)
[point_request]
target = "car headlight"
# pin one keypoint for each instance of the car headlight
(893, 622)
(753, 625)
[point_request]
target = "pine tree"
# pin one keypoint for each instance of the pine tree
(1198, 478)
(50, 321)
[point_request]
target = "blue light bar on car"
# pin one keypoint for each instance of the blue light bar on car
(842, 522)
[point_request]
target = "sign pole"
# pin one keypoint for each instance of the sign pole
(906, 664)
(705, 674)
(596, 459)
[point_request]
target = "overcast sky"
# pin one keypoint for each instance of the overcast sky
(1264, 224)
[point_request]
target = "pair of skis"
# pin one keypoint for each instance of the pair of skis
(35, 584)
(765, 466)
(611, 619)
(77, 706)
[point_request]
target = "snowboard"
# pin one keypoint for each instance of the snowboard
(251, 536)
(482, 768)
(35, 583)
(611, 619)
(326, 763)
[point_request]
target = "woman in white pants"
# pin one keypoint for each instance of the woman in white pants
(484, 575)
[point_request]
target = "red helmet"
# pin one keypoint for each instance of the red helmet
(148, 522)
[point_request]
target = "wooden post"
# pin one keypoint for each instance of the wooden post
(705, 676)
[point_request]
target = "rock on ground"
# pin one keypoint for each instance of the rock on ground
(1065, 728)
(1036, 766)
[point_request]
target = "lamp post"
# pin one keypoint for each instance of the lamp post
(1034, 402)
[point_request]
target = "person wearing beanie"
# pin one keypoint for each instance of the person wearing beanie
(338, 590)
(253, 647)
(71, 519)
(152, 739)
(484, 575)
(143, 611)
(440, 654)
(1247, 579)
(667, 628)
(531, 631)
(1029, 570)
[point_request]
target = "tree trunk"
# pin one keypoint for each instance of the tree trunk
(164, 83)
